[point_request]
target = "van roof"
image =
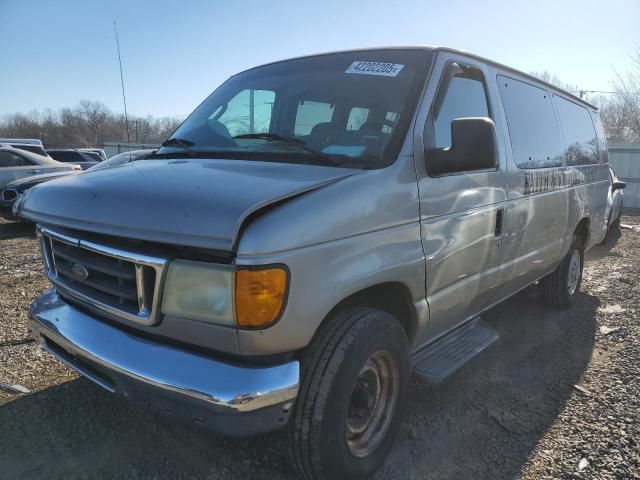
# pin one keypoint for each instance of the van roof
(435, 48)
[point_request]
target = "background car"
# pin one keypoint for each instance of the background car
(13, 190)
(71, 155)
(98, 151)
(614, 200)
(124, 157)
(16, 163)
(28, 147)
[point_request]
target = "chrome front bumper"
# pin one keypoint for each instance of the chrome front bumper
(229, 398)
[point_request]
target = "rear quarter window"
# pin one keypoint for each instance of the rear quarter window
(533, 127)
(581, 142)
(602, 138)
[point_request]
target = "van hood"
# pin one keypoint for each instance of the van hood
(198, 203)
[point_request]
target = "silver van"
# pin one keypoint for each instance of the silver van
(314, 230)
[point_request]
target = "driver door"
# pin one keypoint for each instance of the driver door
(462, 213)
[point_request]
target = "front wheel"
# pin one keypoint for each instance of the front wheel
(355, 377)
(560, 288)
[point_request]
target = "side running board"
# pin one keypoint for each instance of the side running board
(445, 355)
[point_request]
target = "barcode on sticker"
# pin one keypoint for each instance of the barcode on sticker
(375, 68)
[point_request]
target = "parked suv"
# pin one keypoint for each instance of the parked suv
(314, 230)
(68, 155)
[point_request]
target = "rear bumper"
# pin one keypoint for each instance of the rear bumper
(228, 398)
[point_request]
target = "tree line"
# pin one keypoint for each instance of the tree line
(89, 124)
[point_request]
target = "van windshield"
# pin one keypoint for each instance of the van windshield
(346, 109)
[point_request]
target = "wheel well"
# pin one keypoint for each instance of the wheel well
(583, 230)
(391, 297)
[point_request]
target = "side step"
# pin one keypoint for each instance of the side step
(445, 355)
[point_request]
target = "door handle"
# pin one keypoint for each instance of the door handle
(499, 222)
(34, 171)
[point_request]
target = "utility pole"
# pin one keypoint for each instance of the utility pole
(124, 99)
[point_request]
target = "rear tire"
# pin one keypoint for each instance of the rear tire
(560, 288)
(353, 391)
(616, 222)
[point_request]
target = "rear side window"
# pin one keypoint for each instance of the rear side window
(93, 157)
(581, 143)
(357, 117)
(9, 159)
(71, 157)
(309, 114)
(533, 127)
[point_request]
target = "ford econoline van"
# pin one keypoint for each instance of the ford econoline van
(314, 230)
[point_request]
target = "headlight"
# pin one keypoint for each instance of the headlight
(199, 291)
(224, 295)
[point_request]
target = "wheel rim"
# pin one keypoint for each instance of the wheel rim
(574, 272)
(372, 403)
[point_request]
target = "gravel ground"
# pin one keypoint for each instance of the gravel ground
(558, 396)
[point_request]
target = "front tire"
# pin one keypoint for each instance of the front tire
(355, 378)
(560, 288)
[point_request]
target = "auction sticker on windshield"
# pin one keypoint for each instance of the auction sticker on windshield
(375, 68)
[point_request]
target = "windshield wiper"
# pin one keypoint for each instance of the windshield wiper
(292, 141)
(180, 142)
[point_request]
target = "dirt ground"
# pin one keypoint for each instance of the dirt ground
(558, 396)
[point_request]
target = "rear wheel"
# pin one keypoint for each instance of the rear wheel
(355, 378)
(616, 222)
(561, 287)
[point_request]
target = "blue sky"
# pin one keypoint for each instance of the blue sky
(55, 53)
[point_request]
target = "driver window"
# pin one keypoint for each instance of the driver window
(461, 94)
(248, 112)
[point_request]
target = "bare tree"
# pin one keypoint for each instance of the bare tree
(89, 124)
(620, 110)
(548, 77)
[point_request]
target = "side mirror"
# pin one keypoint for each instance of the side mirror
(473, 147)
(618, 185)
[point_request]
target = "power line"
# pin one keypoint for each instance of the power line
(124, 99)
(583, 92)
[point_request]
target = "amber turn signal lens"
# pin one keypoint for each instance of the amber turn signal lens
(260, 295)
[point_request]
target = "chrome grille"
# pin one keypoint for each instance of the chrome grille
(119, 282)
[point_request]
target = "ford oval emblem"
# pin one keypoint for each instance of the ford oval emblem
(79, 271)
